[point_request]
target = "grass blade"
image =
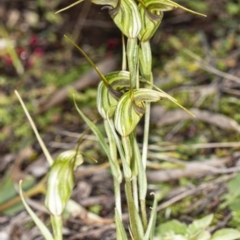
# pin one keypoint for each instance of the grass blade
(45, 232)
(41, 143)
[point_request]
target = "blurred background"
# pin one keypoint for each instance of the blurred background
(195, 59)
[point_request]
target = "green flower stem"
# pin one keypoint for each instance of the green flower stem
(144, 213)
(126, 168)
(117, 176)
(135, 192)
(131, 210)
(112, 148)
(144, 160)
(146, 134)
(57, 226)
(117, 195)
(142, 183)
(132, 59)
(124, 58)
(142, 171)
(127, 149)
(145, 59)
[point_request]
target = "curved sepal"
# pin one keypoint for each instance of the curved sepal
(168, 5)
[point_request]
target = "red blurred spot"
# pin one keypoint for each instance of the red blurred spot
(29, 63)
(38, 52)
(33, 41)
(20, 51)
(8, 60)
(114, 43)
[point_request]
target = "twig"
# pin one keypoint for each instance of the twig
(94, 233)
(192, 170)
(170, 117)
(195, 146)
(204, 65)
(194, 190)
(221, 224)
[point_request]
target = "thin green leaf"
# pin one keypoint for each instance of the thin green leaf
(173, 4)
(126, 167)
(152, 221)
(116, 171)
(43, 146)
(45, 232)
(69, 6)
(134, 218)
(121, 233)
(102, 77)
(169, 97)
(96, 131)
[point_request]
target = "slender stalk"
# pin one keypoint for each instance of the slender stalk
(117, 176)
(146, 134)
(142, 184)
(145, 60)
(57, 226)
(124, 58)
(117, 195)
(132, 59)
(135, 192)
(131, 209)
(127, 149)
(144, 213)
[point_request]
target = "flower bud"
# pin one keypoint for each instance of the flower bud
(151, 17)
(106, 102)
(127, 18)
(130, 109)
(61, 181)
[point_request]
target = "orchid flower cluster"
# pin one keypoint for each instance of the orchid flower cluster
(123, 98)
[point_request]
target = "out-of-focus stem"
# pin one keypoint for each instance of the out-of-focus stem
(117, 194)
(117, 176)
(57, 226)
(143, 213)
(124, 58)
(135, 192)
(132, 58)
(145, 57)
(131, 209)
(146, 134)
